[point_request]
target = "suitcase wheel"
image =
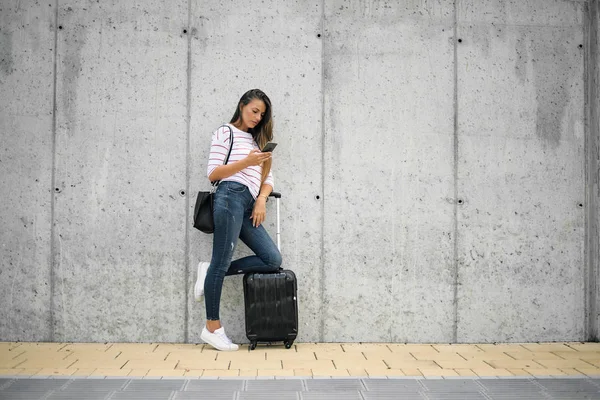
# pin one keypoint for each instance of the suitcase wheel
(288, 344)
(253, 345)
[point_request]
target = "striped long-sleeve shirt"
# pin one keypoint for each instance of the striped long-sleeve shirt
(243, 144)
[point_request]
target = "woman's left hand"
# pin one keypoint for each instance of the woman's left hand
(259, 212)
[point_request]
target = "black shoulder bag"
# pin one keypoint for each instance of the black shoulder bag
(203, 211)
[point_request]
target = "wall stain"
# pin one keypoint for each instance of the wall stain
(551, 66)
(521, 58)
(543, 63)
(73, 43)
(6, 53)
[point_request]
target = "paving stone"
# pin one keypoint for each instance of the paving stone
(395, 385)
(517, 396)
(22, 395)
(275, 386)
(93, 385)
(208, 396)
(142, 395)
(35, 385)
(451, 385)
(574, 396)
(568, 385)
(339, 385)
(455, 396)
(391, 396)
(78, 395)
(337, 395)
(154, 384)
(215, 385)
(299, 389)
(510, 385)
(275, 395)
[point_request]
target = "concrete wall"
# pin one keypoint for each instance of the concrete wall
(520, 235)
(431, 157)
(593, 168)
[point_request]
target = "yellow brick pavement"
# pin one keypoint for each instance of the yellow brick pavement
(303, 359)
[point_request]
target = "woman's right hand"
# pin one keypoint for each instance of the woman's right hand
(257, 157)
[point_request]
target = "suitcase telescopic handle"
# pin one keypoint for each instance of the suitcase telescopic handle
(277, 196)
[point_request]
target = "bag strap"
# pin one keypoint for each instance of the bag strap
(216, 183)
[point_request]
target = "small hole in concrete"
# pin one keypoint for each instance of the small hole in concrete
(182, 192)
(581, 46)
(460, 201)
(60, 27)
(317, 197)
(57, 190)
(318, 35)
(459, 40)
(185, 31)
(580, 205)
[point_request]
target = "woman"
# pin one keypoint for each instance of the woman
(239, 207)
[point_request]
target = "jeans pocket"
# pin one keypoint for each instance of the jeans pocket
(235, 187)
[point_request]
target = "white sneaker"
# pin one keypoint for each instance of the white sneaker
(199, 287)
(218, 339)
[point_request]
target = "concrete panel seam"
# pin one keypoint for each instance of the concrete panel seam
(591, 169)
(53, 179)
(186, 314)
(587, 70)
(322, 273)
(455, 211)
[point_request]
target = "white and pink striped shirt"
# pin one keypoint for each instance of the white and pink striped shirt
(243, 143)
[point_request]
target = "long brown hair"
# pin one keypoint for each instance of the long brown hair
(263, 132)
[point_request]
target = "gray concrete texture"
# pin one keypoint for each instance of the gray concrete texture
(434, 159)
(592, 148)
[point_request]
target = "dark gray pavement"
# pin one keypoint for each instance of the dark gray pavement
(298, 389)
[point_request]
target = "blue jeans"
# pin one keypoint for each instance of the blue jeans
(233, 205)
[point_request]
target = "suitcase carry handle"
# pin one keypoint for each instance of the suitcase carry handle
(277, 196)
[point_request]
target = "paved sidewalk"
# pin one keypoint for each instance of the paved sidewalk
(299, 389)
(306, 360)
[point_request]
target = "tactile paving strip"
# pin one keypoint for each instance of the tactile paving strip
(393, 385)
(574, 396)
(391, 396)
(512, 389)
(74, 395)
(299, 389)
(142, 395)
(95, 385)
(455, 396)
(339, 385)
(155, 385)
(568, 385)
(22, 395)
(199, 396)
(517, 396)
(332, 395)
(274, 386)
(35, 385)
(509, 385)
(267, 395)
(214, 385)
(451, 385)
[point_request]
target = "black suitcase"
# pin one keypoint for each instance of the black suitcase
(271, 303)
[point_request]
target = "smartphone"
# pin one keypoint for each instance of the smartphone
(269, 147)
